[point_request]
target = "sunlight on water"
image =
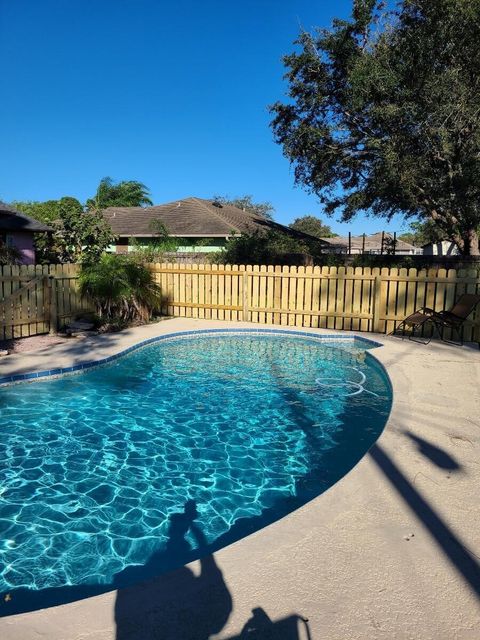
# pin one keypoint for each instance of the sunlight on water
(94, 465)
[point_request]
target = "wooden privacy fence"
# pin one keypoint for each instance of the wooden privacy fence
(38, 299)
(344, 298)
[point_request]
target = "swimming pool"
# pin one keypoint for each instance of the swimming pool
(173, 451)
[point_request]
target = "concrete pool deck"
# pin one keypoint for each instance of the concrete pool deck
(391, 551)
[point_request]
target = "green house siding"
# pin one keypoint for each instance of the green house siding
(185, 245)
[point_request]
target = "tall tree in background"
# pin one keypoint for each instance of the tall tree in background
(313, 226)
(421, 233)
(384, 114)
(263, 209)
(128, 193)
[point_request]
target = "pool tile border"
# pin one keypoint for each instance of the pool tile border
(59, 371)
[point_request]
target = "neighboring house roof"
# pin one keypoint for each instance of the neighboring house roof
(372, 242)
(191, 217)
(13, 220)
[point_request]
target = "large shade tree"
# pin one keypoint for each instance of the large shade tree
(127, 193)
(384, 114)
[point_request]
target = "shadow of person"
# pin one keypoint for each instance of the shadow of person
(261, 627)
(178, 605)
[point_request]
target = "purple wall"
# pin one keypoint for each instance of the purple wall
(23, 240)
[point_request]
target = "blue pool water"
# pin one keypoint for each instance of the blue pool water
(131, 469)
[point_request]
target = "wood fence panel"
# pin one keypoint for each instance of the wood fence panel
(357, 299)
(236, 302)
(292, 296)
(315, 304)
(321, 292)
(332, 297)
(348, 305)
(391, 296)
(471, 331)
(300, 297)
(221, 292)
(269, 317)
(255, 299)
(214, 291)
(307, 301)
(199, 286)
(360, 299)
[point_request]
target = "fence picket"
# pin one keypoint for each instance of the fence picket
(306, 320)
(292, 298)
(255, 293)
(361, 299)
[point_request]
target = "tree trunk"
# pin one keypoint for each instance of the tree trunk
(468, 243)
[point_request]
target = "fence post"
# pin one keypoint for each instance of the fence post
(53, 304)
(376, 304)
(245, 297)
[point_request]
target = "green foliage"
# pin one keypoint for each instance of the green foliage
(313, 226)
(81, 236)
(163, 239)
(9, 255)
(383, 114)
(421, 233)
(121, 288)
(150, 250)
(153, 249)
(48, 211)
(127, 193)
(77, 235)
(263, 248)
(263, 209)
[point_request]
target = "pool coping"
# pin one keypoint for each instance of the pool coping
(347, 560)
(61, 371)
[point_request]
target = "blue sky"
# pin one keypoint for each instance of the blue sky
(174, 94)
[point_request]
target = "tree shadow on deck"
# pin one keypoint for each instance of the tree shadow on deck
(463, 561)
(459, 556)
(435, 454)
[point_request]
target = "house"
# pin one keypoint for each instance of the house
(201, 226)
(442, 248)
(18, 230)
(376, 243)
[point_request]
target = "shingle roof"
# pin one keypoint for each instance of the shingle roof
(373, 242)
(13, 220)
(194, 217)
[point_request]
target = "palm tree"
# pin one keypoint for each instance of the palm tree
(121, 288)
(127, 193)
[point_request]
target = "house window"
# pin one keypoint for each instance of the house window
(9, 240)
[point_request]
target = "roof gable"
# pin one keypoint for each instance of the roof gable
(13, 220)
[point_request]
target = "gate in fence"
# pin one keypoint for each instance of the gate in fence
(27, 306)
(37, 299)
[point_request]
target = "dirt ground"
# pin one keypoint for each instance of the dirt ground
(33, 343)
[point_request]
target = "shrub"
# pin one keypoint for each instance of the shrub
(9, 255)
(269, 247)
(121, 288)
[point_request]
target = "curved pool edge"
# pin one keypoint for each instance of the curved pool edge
(342, 559)
(32, 376)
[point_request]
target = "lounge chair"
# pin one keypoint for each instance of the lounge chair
(441, 320)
